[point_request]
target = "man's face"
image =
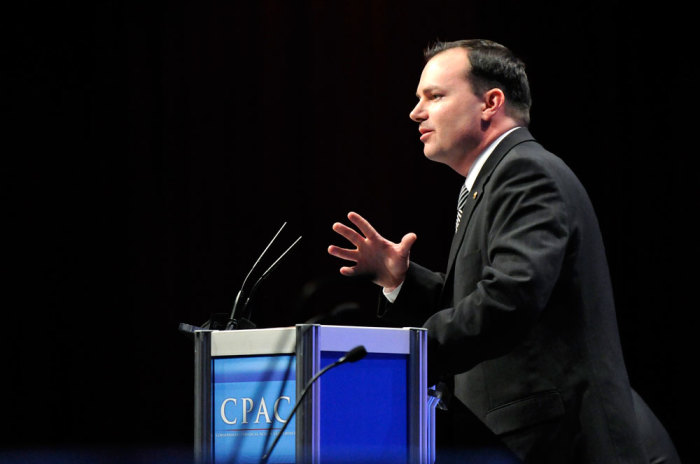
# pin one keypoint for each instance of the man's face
(448, 111)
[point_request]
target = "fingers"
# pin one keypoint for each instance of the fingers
(342, 253)
(362, 224)
(407, 242)
(348, 255)
(351, 235)
(385, 260)
(347, 271)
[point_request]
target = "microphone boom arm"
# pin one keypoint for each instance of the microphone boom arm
(353, 355)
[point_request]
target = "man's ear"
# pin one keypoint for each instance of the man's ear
(494, 101)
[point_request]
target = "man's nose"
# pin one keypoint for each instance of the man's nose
(418, 113)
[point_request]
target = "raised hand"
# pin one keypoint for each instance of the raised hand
(373, 254)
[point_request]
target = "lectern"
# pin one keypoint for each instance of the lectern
(377, 410)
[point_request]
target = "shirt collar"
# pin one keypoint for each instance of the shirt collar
(481, 159)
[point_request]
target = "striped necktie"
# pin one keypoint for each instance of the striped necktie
(463, 193)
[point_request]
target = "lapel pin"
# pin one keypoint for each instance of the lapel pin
(475, 194)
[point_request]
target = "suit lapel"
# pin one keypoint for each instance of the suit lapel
(476, 193)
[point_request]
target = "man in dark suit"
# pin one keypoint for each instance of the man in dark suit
(522, 324)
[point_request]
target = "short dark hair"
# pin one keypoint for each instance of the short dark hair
(493, 66)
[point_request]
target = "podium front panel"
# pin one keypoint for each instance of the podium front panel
(364, 409)
(252, 398)
(373, 411)
(244, 392)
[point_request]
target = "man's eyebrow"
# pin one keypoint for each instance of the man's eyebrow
(429, 89)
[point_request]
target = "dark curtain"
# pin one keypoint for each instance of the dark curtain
(154, 148)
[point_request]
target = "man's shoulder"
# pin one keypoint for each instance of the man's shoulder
(529, 162)
(528, 152)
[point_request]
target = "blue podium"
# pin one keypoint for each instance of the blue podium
(377, 410)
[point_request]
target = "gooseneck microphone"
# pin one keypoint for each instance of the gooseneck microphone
(263, 276)
(240, 292)
(234, 323)
(353, 355)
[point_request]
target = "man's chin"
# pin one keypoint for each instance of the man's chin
(444, 158)
(432, 155)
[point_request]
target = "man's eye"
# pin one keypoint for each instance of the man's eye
(436, 96)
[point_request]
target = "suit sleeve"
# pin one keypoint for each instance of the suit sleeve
(419, 295)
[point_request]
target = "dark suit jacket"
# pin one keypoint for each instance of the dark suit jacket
(524, 316)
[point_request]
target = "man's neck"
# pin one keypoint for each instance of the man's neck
(491, 134)
(480, 160)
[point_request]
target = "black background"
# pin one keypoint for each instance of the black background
(154, 148)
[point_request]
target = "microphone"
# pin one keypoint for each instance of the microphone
(263, 276)
(234, 323)
(353, 355)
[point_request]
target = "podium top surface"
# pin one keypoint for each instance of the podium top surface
(283, 340)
